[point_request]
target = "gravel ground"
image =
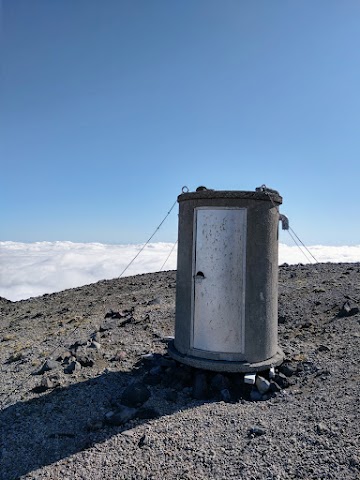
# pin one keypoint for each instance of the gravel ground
(82, 398)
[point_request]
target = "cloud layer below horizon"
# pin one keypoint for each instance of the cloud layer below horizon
(32, 269)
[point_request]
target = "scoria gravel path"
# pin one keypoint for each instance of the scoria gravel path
(82, 398)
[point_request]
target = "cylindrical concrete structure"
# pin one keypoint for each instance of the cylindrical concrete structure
(227, 287)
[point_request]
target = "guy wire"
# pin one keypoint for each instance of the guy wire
(145, 244)
(167, 258)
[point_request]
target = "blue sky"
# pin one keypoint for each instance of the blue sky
(109, 107)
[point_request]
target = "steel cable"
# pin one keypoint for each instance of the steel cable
(147, 242)
(265, 190)
(167, 258)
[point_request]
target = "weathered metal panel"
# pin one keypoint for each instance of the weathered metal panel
(219, 268)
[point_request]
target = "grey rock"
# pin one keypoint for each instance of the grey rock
(168, 338)
(129, 433)
(96, 337)
(135, 394)
(266, 396)
(262, 384)
(107, 326)
(148, 357)
(219, 382)
(322, 428)
(121, 415)
(183, 374)
(354, 462)
(143, 441)
(64, 357)
(51, 365)
(281, 380)
(271, 373)
(50, 382)
(249, 378)
(155, 370)
(47, 383)
(95, 344)
(94, 424)
(200, 387)
(256, 431)
(287, 369)
(274, 387)
(171, 396)
(347, 311)
(187, 391)
(307, 324)
(72, 367)
(147, 413)
(307, 367)
(119, 356)
(154, 301)
(323, 374)
(68, 359)
(79, 343)
(150, 379)
(85, 361)
(166, 362)
(47, 366)
(225, 395)
(255, 395)
(177, 377)
(112, 314)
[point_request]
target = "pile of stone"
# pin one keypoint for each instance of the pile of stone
(79, 355)
(82, 354)
(230, 387)
(159, 377)
(163, 377)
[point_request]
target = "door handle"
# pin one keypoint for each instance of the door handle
(199, 276)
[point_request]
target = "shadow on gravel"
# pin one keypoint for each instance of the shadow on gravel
(60, 423)
(64, 421)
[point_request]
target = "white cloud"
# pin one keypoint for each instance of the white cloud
(31, 269)
(322, 253)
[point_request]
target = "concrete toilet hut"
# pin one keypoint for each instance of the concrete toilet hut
(227, 287)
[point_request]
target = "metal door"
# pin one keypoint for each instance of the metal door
(219, 279)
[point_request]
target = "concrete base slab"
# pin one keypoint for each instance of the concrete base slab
(223, 365)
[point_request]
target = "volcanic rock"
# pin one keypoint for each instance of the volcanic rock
(225, 395)
(200, 387)
(262, 384)
(347, 311)
(72, 367)
(255, 395)
(47, 366)
(219, 382)
(288, 369)
(256, 431)
(120, 416)
(135, 394)
(281, 380)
